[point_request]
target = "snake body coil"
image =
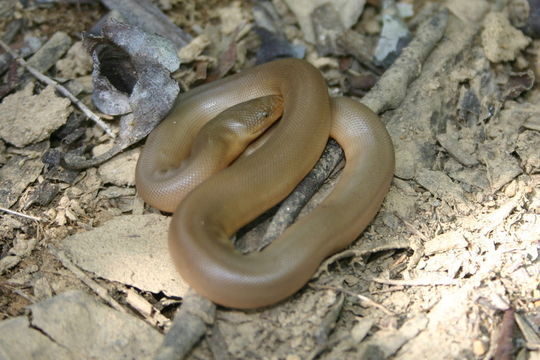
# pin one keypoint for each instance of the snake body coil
(175, 160)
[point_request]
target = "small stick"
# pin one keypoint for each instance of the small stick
(290, 208)
(362, 298)
(392, 87)
(98, 289)
(340, 255)
(47, 80)
(150, 314)
(416, 282)
(189, 326)
(13, 212)
(29, 298)
(505, 347)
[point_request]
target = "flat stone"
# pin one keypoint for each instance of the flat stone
(120, 170)
(29, 118)
(91, 330)
(130, 249)
(20, 341)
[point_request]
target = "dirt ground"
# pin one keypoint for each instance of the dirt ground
(448, 269)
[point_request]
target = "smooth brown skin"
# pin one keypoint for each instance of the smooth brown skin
(214, 210)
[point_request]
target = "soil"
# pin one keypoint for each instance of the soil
(449, 268)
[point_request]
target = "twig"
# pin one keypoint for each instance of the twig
(340, 255)
(47, 80)
(13, 212)
(364, 299)
(387, 290)
(98, 289)
(416, 282)
(391, 88)
(504, 342)
(284, 217)
(25, 296)
(189, 325)
(146, 309)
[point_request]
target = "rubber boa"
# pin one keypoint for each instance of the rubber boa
(216, 205)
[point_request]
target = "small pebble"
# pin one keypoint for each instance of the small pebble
(479, 348)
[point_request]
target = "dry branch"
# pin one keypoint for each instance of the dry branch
(189, 325)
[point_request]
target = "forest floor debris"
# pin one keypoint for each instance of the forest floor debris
(450, 263)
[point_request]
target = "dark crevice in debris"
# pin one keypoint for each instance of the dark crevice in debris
(116, 66)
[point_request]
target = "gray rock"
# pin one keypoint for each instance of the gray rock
(91, 330)
(130, 249)
(20, 341)
(28, 118)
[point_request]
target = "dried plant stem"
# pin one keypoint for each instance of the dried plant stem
(364, 299)
(13, 212)
(96, 288)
